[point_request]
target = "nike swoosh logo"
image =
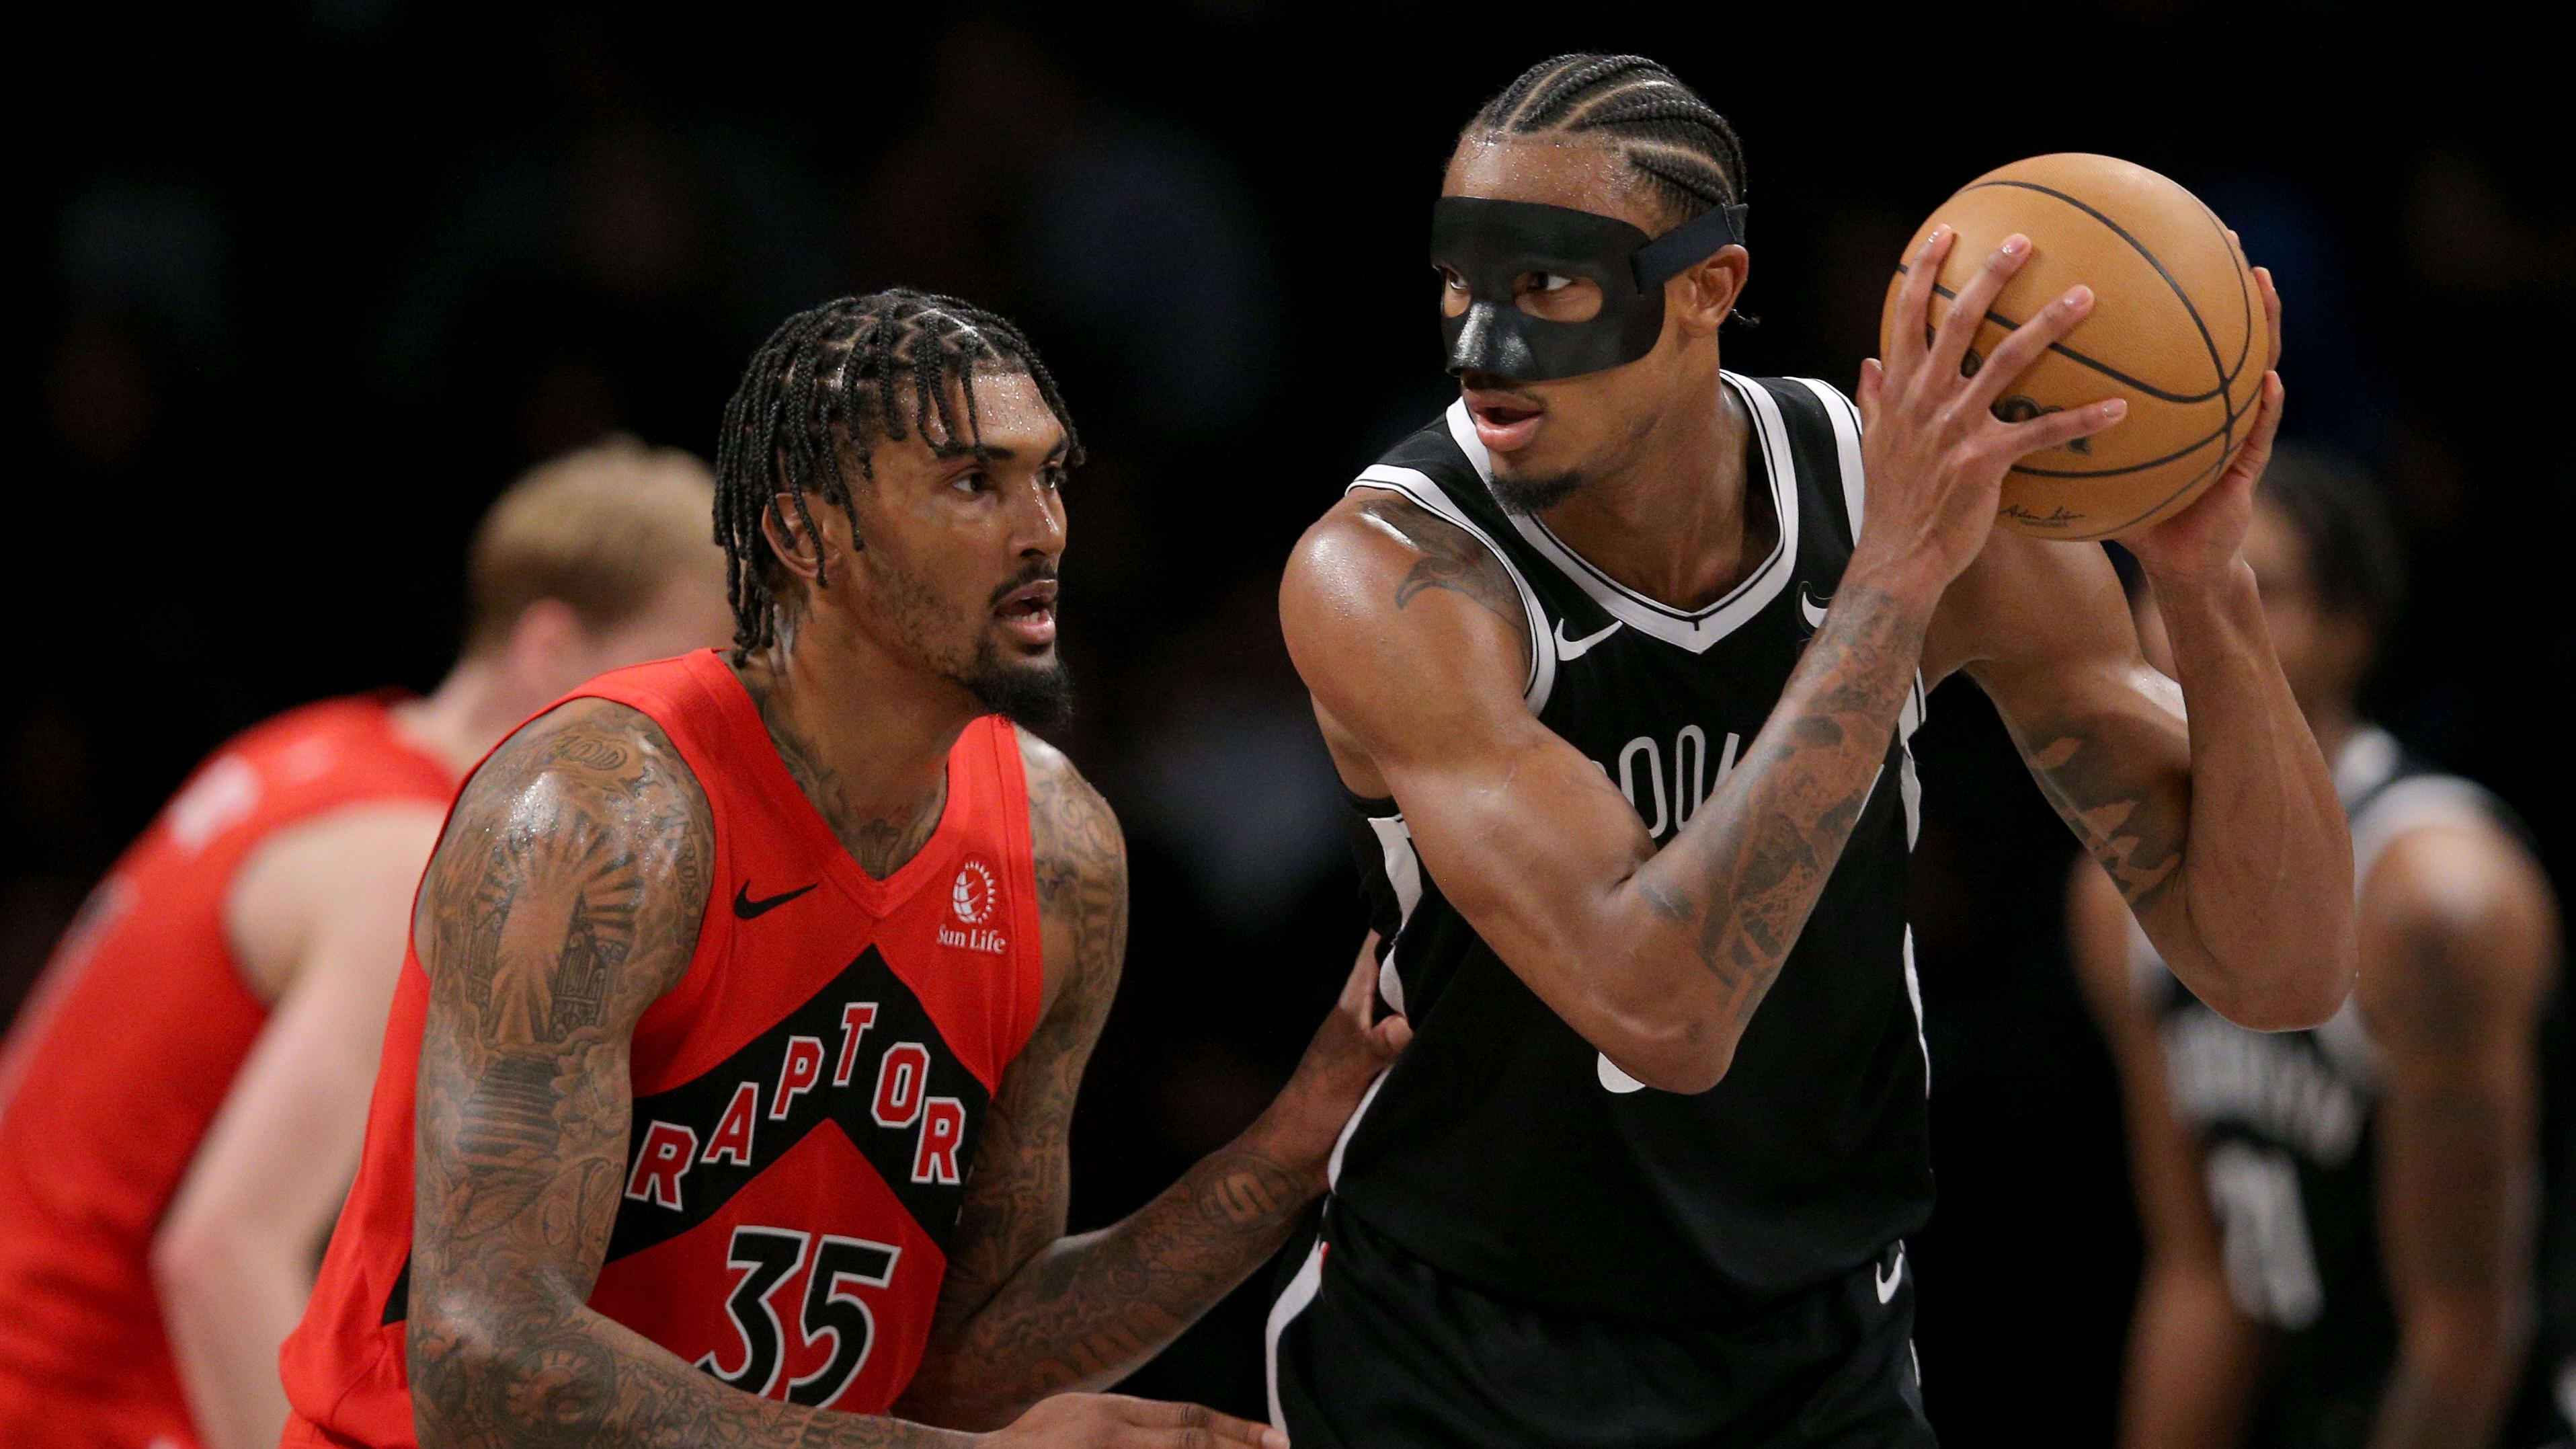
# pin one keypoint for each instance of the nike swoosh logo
(746, 908)
(1810, 610)
(1891, 1275)
(1577, 648)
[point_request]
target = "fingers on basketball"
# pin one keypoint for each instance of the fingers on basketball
(1976, 299)
(1905, 347)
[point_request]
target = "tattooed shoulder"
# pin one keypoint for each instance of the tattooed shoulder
(1081, 860)
(1446, 557)
(591, 810)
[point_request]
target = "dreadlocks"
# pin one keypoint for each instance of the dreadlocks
(836, 380)
(1686, 151)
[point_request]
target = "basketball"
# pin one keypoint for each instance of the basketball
(2177, 328)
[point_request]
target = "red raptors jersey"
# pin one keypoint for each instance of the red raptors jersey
(121, 1058)
(805, 1100)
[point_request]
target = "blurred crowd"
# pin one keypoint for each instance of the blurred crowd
(316, 278)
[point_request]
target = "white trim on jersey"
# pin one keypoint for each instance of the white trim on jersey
(1695, 630)
(1293, 1300)
(1404, 877)
(1419, 487)
(1341, 1144)
(1914, 994)
(1846, 420)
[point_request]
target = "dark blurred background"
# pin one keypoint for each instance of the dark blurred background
(306, 283)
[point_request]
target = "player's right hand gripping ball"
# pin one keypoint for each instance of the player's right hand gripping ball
(2177, 328)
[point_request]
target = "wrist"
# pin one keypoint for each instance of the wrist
(2181, 584)
(1299, 1153)
(1913, 586)
(2192, 598)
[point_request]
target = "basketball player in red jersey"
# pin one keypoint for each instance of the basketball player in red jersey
(728, 1083)
(181, 1106)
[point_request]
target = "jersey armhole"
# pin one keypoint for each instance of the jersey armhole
(1028, 963)
(1418, 488)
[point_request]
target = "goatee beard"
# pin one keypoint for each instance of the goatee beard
(1528, 496)
(1037, 696)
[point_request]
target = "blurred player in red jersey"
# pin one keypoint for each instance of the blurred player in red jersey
(183, 1099)
(729, 1080)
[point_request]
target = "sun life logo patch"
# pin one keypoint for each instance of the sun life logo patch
(971, 898)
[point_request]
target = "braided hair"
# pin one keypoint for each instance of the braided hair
(835, 380)
(1684, 150)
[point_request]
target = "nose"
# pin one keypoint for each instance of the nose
(1038, 524)
(1487, 341)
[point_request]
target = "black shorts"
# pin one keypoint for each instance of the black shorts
(1371, 1348)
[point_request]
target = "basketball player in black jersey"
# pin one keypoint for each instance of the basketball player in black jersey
(1617, 659)
(2340, 1250)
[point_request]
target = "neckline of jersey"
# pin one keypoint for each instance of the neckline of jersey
(1684, 628)
(771, 777)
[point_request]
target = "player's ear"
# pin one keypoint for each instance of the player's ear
(784, 524)
(1707, 293)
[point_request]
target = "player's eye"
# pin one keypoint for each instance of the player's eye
(1552, 281)
(1053, 478)
(1452, 280)
(972, 481)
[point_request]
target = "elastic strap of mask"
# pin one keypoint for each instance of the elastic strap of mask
(1687, 245)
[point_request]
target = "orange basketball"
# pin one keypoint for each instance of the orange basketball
(2177, 328)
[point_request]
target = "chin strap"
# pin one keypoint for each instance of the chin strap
(1688, 245)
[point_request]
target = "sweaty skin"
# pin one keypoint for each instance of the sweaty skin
(565, 899)
(1416, 663)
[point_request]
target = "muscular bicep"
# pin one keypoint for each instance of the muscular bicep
(564, 899)
(1415, 648)
(2044, 630)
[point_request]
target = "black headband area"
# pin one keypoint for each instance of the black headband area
(1688, 245)
(1489, 245)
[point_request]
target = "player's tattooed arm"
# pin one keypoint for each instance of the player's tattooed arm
(2217, 822)
(1027, 1311)
(563, 901)
(1445, 557)
(1659, 958)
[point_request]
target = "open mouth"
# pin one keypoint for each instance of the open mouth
(1504, 422)
(1028, 614)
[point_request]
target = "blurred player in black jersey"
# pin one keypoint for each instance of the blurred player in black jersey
(1619, 681)
(2340, 1238)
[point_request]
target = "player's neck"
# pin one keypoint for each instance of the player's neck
(866, 736)
(1672, 521)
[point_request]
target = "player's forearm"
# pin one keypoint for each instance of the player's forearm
(1089, 1310)
(2450, 1380)
(2266, 840)
(1718, 909)
(228, 1299)
(2190, 1363)
(525, 1369)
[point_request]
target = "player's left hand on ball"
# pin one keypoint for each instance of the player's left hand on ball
(2203, 540)
(1349, 1051)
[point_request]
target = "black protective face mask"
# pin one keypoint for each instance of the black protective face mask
(1493, 244)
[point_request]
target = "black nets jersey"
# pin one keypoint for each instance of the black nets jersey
(1502, 1147)
(2284, 1121)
